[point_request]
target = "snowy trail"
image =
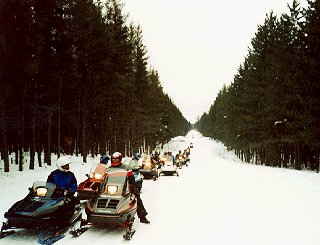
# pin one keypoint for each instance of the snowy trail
(216, 200)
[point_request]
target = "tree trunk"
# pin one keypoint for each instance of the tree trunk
(59, 121)
(39, 148)
(4, 152)
(17, 153)
(84, 123)
(21, 139)
(33, 138)
(32, 147)
(297, 155)
(78, 128)
(47, 149)
(317, 159)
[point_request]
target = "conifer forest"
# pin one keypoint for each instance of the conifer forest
(75, 79)
(270, 113)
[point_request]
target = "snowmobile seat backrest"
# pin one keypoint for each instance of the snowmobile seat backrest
(50, 186)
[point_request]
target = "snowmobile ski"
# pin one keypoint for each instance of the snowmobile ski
(78, 232)
(4, 234)
(129, 234)
(50, 240)
(50, 235)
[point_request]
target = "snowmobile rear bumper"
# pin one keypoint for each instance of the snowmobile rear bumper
(148, 173)
(167, 172)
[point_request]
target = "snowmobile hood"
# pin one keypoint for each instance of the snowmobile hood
(115, 202)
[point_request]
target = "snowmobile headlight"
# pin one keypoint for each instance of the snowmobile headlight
(41, 191)
(112, 189)
(97, 176)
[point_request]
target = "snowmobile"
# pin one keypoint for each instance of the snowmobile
(168, 167)
(149, 168)
(46, 208)
(115, 205)
(91, 187)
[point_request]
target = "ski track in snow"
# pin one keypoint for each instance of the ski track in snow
(217, 199)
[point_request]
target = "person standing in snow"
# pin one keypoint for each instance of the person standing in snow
(117, 163)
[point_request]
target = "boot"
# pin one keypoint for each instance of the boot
(144, 220)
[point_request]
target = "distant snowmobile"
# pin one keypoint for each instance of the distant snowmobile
(47, 209)
(168, 167)
(149, 168)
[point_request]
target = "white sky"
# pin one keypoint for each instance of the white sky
(197, 46)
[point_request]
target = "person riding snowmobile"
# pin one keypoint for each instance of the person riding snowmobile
(102, 165)
(136, 156)
(178, 161)
(65, 180)
(155, 159)
(117, 163)
(171, 157)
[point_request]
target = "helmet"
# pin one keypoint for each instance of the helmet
(136, 155)
(63, 163)
(104, 159)
(116, 159)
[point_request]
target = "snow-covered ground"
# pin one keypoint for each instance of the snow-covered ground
(217, 199)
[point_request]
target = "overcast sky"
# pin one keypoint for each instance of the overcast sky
(197, 46)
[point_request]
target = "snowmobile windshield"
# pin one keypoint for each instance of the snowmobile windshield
(147, 165)
(116, 183)
(170, 158)
(98, 171)
(43, 189)
(134, 165)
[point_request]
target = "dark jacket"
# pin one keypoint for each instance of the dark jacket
(64, 180)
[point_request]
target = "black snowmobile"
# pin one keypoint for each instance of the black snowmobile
(149, 168)
(46, 208)
(114, 206)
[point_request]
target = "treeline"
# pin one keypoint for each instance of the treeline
(270, 114)
(75, 79)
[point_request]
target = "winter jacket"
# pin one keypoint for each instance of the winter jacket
(64, 180)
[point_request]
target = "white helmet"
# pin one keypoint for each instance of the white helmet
(62, 161)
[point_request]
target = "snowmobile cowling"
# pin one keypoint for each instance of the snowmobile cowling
(44, 206)
(115, 204)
